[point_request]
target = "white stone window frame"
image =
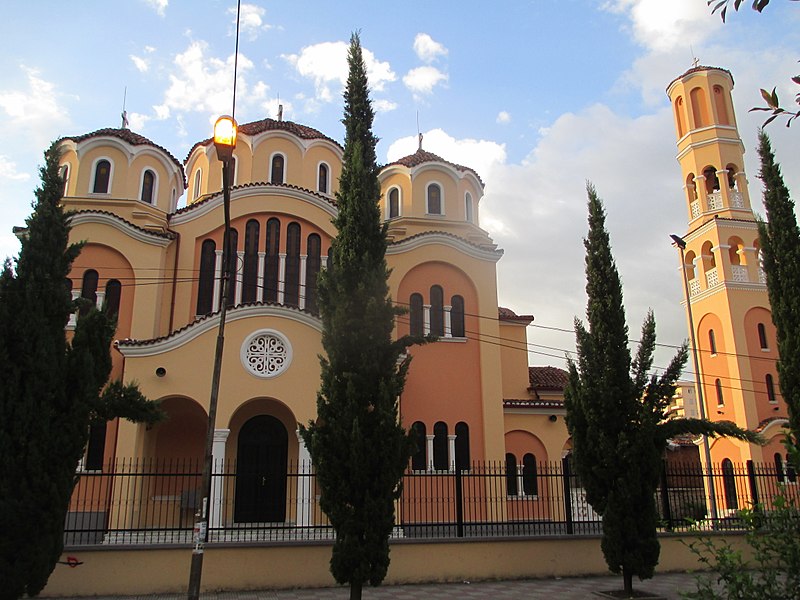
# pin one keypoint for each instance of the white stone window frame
(320, 164)
(399, 202)
(154, 200)
(428, 212)
(243, 353)
(94, 176)
(469, 208)
(197, 182)
(285, 166)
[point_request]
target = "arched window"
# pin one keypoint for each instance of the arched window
(440, 446)
(434, 198)
(252, 232)
(462, 446)
(148, 186)
(680, 118)
(762, 337)
(419, 459)
(205, 286)
(232, 171)
(457, 316)
(712, 341)
(113, 297)
(511, 475)
(277, 169)
(712, 181)
(415, 315)
(198, 178)
(468, 207)
(95, 447)
(530, 483)
(322, 179)
(719, 104)
(779, 473)
(394, 203)
(791, 474)
(291, 291)
(771, 389)
(272, 260)
(313, 264)
(233, 265)
(102, 177)
(699, 107)
(437, 311)
(89, 290)
(65, 179)
(720, 398)
(731, 169)
(729, 485)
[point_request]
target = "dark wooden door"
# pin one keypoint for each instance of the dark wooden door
(261, 471)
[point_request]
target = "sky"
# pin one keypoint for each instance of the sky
(537, 96)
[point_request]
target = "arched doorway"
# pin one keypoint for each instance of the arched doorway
(261, 471)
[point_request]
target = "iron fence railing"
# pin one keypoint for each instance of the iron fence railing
(156, 501)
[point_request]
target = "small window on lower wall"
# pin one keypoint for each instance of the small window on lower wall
(457, 316)
(511, 475)
(95, 447)
(418, 462)
(415, 315)
(530, 483)
(440, 446)
(462, 446)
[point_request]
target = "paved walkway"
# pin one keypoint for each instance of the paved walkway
(668, 585)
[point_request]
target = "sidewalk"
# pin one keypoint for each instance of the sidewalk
(668, 585)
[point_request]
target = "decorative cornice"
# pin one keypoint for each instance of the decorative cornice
(443, 238)
(181, 337)
(156, 238)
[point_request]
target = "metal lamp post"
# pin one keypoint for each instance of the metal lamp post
(680, 243)
(225, 130)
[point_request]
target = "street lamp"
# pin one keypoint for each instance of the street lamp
(225, 130)
(680, 243)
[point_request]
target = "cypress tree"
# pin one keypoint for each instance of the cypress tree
(49, 393)
(780, 251)
(359, 448)
(616, 413)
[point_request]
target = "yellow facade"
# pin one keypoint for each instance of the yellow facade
(729, 306)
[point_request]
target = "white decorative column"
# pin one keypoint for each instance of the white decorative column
(301, 301)
(429, 453)
(101, 297)
(217, 479)
(324, 262)
(520, 481)
(281, 277)
(448, 332)
(303, 483)
(239, 277)
(260, 285)
(217, 278)
(73, 318)
(451, 451)
(426, 319)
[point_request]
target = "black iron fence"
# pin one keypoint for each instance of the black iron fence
(156, 501)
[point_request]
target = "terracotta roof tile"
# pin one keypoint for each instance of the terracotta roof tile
(698, 69)
(506, 314)
(208, 197)
(423, 156)
(547, 378)
(126, 135)
(162, 234)
(531, 403)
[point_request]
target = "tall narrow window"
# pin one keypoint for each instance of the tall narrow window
(95, 447)
(148, 186)
(418, 459)
(250, 268)
(273, 260)
(394, 203)
(313, 264)
(434, 199)
(113, 297)
(276, 169)
(712, 341)
(65, 178)
(729, 485)
(233, 266)
(205, 285)
(291, 292)
(415, 315)
(462, 446)
(440, 446)
(511, 474)
(762, 337)
(198, 177)
(437, 311)
(791, 473)
(779, 473)
(322, 183)
(770, 389)
(89, 290)
(720, 397)
(530, 483)
(457, 316)
(468, 207)
(102, 177)
(232, 171)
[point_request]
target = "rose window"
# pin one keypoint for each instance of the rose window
(266, 353)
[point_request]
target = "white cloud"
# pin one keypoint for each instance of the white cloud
(422, 80)
(136, 121)
(326, 64)
(427, 49)
(503, 117)
(8, 170)
(140, 63)
(160, 6)
(481, 155)
(383, 105)
(202, 83)
(251, 20)
(667, 24)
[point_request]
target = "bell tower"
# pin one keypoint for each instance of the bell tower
(728, 302)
